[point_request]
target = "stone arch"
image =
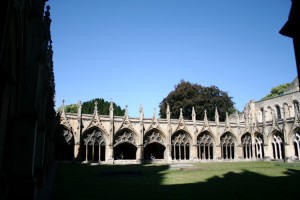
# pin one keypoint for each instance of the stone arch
(154, 145)
(294, 140)
(205, 145)
(93, 145)
(276, 142)
(181, 145)
(228, 145)
(258, 145)
(65, 144)
(246, 142)
(296, 107)
(125, 145)
(278, 112)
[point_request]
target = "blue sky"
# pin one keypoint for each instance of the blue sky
(135, 51)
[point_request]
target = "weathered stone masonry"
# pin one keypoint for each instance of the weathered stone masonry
(266, 130)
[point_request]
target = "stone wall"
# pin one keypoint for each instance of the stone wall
(27, 114)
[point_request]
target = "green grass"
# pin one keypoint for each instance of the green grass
(246, 180)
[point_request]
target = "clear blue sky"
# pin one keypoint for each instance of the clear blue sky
(135, 51)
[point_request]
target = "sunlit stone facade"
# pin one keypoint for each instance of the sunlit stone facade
(267, 130)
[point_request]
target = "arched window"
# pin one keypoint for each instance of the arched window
(205, 146)
(227, 146)
(247, 146)
(296, 107)
(277, 146)
(94, 146)
(262, 115)
(258, 146)
(278, 113)
(296, 146)
(181, 146)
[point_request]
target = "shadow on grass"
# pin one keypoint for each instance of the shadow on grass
(76, 181)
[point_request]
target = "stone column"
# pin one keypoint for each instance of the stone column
(76, 150)
(140, 154)
(194, 151)
(169, 153)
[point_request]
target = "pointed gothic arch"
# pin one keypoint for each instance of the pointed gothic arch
(276, 142)
(154, 145)
(125, 145)
(93, 145)
(205, 146)
(258, 145)
(65, 144)
(296, 107)
(228, 144)
(246, 142)
(296, 144)
(181, 145)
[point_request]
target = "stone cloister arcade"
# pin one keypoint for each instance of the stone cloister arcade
(257, 133)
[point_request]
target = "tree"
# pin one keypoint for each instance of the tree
(103, 107)
(276, 91)
(187, 95)
(88, 107)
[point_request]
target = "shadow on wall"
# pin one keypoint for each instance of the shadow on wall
(148, 182)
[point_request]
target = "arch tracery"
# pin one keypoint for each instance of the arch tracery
(205, 145)
(181, 145)
(227, 144)
(94, 143)
(247, 146)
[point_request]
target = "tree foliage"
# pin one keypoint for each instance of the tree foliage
(187, 95)
(276, 91)
(88, 107)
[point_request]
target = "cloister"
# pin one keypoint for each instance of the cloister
(261, 132)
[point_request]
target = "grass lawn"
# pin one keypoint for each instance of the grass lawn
(244, 180)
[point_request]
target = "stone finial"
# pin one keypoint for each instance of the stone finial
(63, 105)
(168, 113)
(216, 116)
(126, 110)
(79, 114)
(237, 118)
(141, 112)
(96, 106)
(193, 115)
(111, 109)
(181, 114)
(154, 112)
(227, 122)
(79, 106)
(111, 106)
(205, 116)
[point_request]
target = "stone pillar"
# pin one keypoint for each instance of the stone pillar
(140, 154)
(195, 151)
(169, 153)
(76, 150)
(219, 152)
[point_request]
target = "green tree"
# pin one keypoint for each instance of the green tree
(103, 107)
(88, 107)
(187, 95)
(71, 108)
(277, 91)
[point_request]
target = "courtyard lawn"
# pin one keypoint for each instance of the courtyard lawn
(228, 180)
